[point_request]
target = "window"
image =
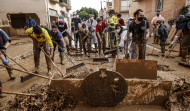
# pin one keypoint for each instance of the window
(110, 4)
(63, 1)
(187, 2)
(125, 17)
(124, 5)
(159, 5)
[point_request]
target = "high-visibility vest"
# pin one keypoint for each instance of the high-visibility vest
(112, 21)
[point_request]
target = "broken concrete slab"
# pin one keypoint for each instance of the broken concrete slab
(141, 69)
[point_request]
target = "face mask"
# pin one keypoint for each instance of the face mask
(75, 16)
(140, 19)
(61, 20)
(92, 18)
(158, 15)
(100, 24)
(118, 30)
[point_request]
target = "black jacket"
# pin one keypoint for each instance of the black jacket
(162, 33)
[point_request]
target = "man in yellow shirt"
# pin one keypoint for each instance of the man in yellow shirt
(112, 22)
(41, 39)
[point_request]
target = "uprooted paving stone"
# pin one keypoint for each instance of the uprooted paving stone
(45, 100)
(180, 96)
(164, 68)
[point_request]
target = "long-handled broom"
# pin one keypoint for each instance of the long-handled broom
(74, 67)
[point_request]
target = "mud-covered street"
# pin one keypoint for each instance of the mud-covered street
(21, 51)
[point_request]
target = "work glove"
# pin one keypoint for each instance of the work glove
(51, 56)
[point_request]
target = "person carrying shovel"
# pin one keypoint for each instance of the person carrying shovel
(57, 38)
(4, 43)
(100, 29)
(41, 39)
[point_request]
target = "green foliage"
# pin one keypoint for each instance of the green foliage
(185, 10)
(84, 12)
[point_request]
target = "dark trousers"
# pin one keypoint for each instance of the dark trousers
(60, 44)
(139, 49)
(103, 44)
(162, 45)
(37, 52)
(78, 40)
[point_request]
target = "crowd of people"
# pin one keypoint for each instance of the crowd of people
(98, 35)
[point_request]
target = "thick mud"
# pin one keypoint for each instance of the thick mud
(45, 100)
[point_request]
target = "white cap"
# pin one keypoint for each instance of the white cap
(74, 13)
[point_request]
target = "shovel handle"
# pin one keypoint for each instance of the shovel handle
(16, 63)
(63, 51)
(51, 60)
(28, 72)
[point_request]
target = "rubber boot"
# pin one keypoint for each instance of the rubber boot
(62, 59)
(96, 47)
(1, 91)
(49, 72)
(9, 70)
(37, 63)
(68, 49)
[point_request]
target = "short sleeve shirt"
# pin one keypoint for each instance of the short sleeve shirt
(62, 27)
(138, 30)
(56, 36)
(76, 21)
(101, 28)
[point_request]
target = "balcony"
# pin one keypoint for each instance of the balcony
(63, 1)
(68, 7)
(54, 1)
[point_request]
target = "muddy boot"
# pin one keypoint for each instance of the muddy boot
(62, 59)
(1, 91)
(96, 47)
(127, 56)
(49, 72)
(68, 49)
(36, 62)
(9, 69)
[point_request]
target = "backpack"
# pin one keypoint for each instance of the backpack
(63, 23)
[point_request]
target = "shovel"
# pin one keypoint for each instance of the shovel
(74, 67)
(51, 61)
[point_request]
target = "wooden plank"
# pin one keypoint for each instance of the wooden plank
(141, 69)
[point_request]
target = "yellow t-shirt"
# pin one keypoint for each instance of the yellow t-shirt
(112, 21)
(45, 36)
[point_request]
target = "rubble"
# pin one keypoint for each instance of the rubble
(164, 68)
(179, 99)
(45, 100)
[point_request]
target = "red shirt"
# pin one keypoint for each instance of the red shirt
(121, 22)
(101, 28)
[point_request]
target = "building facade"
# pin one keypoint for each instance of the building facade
(13, 14)
(122, 7)
(168, 8)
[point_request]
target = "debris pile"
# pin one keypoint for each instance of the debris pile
(45, 100)
(164, 68)
(180, 96)
(79, 73)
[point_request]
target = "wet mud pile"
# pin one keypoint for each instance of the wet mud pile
(179, 99)
(164, 68)
(45, 100)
